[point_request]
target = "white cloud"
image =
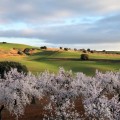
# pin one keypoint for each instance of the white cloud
(61, 22)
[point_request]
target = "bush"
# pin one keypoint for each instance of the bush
(6, 66)
(84, 57)
(104, 50)
(43, 47)
(4, 42)
(27, 50)
(20, 52)
(88, 50)
(61, 48)
(75, 49)
(66, 49)
(92, 51)
(84, 51)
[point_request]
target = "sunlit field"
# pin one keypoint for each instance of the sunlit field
(51, 60)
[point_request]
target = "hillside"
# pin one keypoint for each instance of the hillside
(51, 59)
(8, 46)
(10, 49)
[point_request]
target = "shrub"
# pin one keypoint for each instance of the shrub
(104, 51)
(4, 42)
(84, 57)
(84, 51)
(88, 50)
(43, 47)
(66, 49)
(92, 51)
(6, 66)
(26, 50)
(61, 48)
(20, 52)
(75, 49)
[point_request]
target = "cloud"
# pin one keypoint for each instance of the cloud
(52, 10)
(61, 22)
(99, 32)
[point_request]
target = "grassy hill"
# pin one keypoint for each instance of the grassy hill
(51, 60)
(8, 46)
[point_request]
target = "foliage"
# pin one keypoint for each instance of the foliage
(4, 42)
(88, 50)
(104, 51)
(27, 51)
(16, 91)
(92, 51)
(20, 52)
(75, 49)
(63, 89)
(61, 48)
(66, 49)
(7, 65)
(43, 47)
(84, 56)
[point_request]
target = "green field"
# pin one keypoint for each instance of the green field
(8, 46)
(52, 60)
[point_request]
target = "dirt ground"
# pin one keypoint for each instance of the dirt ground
(36, 112)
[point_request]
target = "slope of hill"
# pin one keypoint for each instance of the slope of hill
(8, 46)
(52, 59)
(10, 49)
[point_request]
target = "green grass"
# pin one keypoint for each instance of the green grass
(49, 60)
(8, 46)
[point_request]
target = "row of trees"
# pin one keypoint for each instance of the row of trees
(99, 94)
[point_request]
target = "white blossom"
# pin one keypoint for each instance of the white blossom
(100, 94)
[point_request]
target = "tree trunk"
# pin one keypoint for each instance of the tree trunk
(2, 107)
(33, 100)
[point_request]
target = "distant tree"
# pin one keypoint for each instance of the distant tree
(75, 49)
(84, 57)
(61, 48)
(4, 42)
(104, 51)
(66, 49)
(88, 49)
(26, 51)
(92, 51)
(43, 47)
(84, 51)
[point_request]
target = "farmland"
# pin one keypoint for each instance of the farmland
(52, 59)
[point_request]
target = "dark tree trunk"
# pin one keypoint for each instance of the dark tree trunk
(33, 100)
(2, 107)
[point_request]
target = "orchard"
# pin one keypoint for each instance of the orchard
(100, 94)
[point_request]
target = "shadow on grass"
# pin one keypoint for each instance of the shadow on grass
(45, 53)
(75, 59)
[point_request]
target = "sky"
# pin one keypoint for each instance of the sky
(93, 24)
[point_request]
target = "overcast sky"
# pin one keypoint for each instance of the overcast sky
(86, 24)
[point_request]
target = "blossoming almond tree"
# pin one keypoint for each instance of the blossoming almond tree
(16, 91)
(61, 93)
(100, 94)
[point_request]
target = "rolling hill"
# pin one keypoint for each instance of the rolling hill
(51, 59)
